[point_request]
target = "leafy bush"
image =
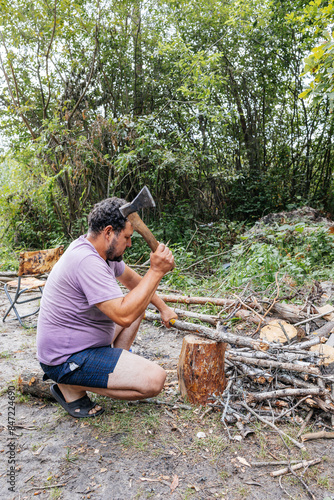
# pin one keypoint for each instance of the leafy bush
(298, 251)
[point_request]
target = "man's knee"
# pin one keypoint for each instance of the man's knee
(156, 382)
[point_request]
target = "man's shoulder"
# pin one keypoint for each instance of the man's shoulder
(79, 252)
(81, 248)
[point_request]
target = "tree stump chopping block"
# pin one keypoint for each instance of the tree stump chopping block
(201, 369)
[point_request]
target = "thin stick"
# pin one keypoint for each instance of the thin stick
(284, 331)
(300, 465)
(47, 487)
(267, 464)
(307, 320)
(213, 320)
(272, 305)
(273, 426)
(303, 483)
(248, 307)
(280, 484)
(290, 409)
(306, 421)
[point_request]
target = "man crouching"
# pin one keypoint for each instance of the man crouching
(86, 326)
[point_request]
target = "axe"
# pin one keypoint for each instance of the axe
(129, 211)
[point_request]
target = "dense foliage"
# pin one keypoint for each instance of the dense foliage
(198, 99)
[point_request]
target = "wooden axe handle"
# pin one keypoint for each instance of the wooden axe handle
(141, 228)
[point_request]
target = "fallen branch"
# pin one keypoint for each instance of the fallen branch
(290, 312)
(38, 488)
(278, 462)
(268, 363)
(317, 435)
(213, 320)
(253, 397)
(307, 344)
(311, 318)
(300, 465)
(218, 335)
(325, 330)
(289, 410)
(182, 299)
(294, 381)
(32, 383)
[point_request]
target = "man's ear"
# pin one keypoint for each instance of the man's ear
(108, 230)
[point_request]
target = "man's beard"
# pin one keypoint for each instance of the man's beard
(111, 255)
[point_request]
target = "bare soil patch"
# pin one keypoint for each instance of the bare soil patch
(144, 450)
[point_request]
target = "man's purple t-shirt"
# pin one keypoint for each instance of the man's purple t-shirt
(69, 320)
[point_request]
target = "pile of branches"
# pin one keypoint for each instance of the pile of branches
(269, 378)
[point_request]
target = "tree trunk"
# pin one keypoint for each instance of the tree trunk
(201, 369)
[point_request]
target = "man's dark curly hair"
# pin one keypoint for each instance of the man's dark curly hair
(106, 213)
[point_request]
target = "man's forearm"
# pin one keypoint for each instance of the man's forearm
(127, 309)
(158, 303)
(131, 280)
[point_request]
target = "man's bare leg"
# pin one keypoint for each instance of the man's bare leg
(124, 337)
(133, 378)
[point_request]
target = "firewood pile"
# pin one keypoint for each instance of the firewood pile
(280, 367)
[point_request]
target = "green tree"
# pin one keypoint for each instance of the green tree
(320, 62)
(198, 99)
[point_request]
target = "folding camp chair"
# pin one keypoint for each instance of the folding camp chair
(30, 264)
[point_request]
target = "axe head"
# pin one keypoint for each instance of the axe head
(142, 200)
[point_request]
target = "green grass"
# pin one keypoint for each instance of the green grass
(71, 457)
(55, 493)
(324, 482)
(6, 354)
(137, 423)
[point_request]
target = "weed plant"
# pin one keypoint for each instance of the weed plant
(295, 253)
(292, 254)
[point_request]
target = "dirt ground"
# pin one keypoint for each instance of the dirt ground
(142, 450)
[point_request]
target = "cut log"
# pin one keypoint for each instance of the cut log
(329, 310)
(289, 312)
(201, 369)
(32, 383)
(326, 352)
(278, 331)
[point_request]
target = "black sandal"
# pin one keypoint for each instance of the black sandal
(77, 409)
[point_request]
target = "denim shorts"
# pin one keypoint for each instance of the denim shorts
(88, 368)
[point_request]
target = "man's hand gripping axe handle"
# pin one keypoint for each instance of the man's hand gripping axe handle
(129, 210)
